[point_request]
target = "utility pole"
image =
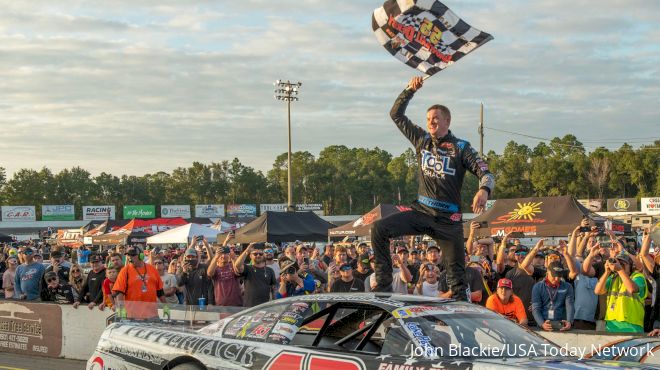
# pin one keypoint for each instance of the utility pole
(481, 132)
(288, 91)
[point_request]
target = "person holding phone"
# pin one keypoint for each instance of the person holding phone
(553, 300)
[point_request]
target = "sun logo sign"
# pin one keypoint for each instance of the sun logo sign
(525, 211)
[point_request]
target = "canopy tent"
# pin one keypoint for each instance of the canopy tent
(362, 226)
(278, 227)
(4, 238)
(120, 237)
(541, 217)
(183, 234)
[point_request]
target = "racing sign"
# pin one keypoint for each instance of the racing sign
(98, 213)
(19, 213)
(210, 210)
(173, 211)
(425, 34)
(274, 207)
(622, 205)
(649, 205)
(242, 210)
(141, 211)
(58, 213)
(594, 205)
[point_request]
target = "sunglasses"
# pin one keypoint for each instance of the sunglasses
(257, 254)
(268, 251)
(76, 271)
(51, 280)
(521, 253)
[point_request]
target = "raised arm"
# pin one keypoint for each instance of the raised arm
(648, 261)
(470, 240)
(410, 130)
(527, 262)
(239, 264)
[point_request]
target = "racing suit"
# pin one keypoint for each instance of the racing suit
(437, 210)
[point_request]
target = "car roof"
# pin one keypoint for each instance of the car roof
(387, 301)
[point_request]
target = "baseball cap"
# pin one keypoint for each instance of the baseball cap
(50, 274)
(433, 247)
(486, 241)
(301, 247)
(555, 268)
(521, 249)
(623, 257)
(56, 254)
(505, 283)
(414, 251)
(190, 252)
(94, 258)
(364, 258)
(132, 251)
(345, 267)
(401, 249)
(289, 268)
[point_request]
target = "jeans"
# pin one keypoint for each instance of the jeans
(448, 235)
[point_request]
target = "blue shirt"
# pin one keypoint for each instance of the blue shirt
(560, 300)
(585, 298)
(83, 256)
(28, 280)
(309, 286)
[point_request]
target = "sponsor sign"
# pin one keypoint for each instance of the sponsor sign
(98, 213)
(210, 210)
(594, 205)
(622, 205)
(141, 211)
(69, 237)
(19, 213)
(314, 207)
(173, 211)
(241, 210)
(31, 328)
(274, 207)
(281, 207)
(649, 205)
(58, 213)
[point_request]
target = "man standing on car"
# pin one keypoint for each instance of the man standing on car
(258, 279)
(443, 161)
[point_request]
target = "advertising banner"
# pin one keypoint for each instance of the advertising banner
(241, 210)
(210, 210)
(31, 328)
(314, 207)
(649, 205)
(173, 211)
(273, 207)
(281, 207)
(594, 205)
(98, 213)
(622, 205)
(58, 213)
(19, 213)
(139, 211)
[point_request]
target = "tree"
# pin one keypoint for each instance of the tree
(599, 170)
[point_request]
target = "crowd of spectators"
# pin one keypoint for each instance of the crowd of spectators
(592, 280)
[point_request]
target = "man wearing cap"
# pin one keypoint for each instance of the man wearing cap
(433, 256)
(363, 267)
(225, 279)
(92, 290)
(626, 291)
(57, 291)
(293, 283)
(269, 256)
(506, 303)
(57, 265)
(138, 287)
(259, 281)
(340, 257)
(193, 276)
(508, 263)
(552, 300)
(428, 284)
(347, 283)
(28, 278)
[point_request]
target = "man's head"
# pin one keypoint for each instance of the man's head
(257, 256)
(191, 256)
(112, 271)
(159, 264)
(116, 260)
(56, 257)
(362, 248)
(52, 279)
(28, 254)
(430, 273)
(12, 261)
(554, 271)
(483, 246)
(340, 255)
(290, 252)
(329, 250)
(301, 252)
(520, 253)
(346, 272)
(133, 253)
(95, 261)
(625, 261)
(504, 289)
(269, 254)
(289, 271)
(403, 254)
(438, 119)
(363, 262)
(224, 254)
(433, 254)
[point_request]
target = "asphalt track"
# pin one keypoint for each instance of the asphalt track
(10, 361)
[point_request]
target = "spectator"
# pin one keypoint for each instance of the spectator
(170, 285)
(340, 258)
(552, 300)
(328, 253)
(172, 270)
(60, 293)
(473, 283)
(347, 283)
(110, 277)
(259, 280)
(293, 284)
(92, 290)
(28, 278)
(116, 259)
(428, 284)
(363, 268)
(414, 271)
(57, 265)
(626, 290)
(225, 279)
(289, 256)
(400, 277)
(269, 255)
(194, 279)
(83, 255)
(433, 256)
(8, 277)
(138, 287)
(506, 303)
(586, 300)
(76, 280)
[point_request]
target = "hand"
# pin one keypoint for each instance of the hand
(76, 304)
(249, 248)
(479, 201)
(447, 294)
(91, 305)
(102, 306)
(567, 326)
(655, 333)
(282, 280)
(473, 226)
(315, 254)
(539, 244)
(415, 83)
(547, 326)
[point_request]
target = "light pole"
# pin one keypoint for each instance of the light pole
(288, 91)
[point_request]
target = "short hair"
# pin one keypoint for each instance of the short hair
(339, 250)
(444, 110)
(115, 255)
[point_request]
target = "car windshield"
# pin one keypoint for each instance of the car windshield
(455, 329)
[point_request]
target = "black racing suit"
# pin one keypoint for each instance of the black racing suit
(437, 210)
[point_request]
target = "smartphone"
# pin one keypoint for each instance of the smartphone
(556, 325)
(306, 260)
(483, 223)
(475, 258)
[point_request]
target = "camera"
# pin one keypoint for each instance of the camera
(612, 260)
(585, 229)
(306, 260)
(483, 223)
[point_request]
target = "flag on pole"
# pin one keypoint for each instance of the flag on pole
(425, 34)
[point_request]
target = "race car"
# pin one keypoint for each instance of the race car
(379, 331)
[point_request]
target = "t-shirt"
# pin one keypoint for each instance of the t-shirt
(139, 285)
(8, 283)
(276, 268)
(353, 286)
(523, 284)
(28, 280)
(258, 283)
(226, 287)
(398, 285)
(586, 300)
(62, 294)
(362, 275)
(169, 281)
(513, 310)
(93, 287)
(83, 256)
(107, 292)
(430, 290)
(197, 285)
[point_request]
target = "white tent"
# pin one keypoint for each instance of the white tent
(183, 234)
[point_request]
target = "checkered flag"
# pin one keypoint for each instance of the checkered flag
(425, 34)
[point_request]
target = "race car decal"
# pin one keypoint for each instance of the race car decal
(290, 360)
(349, 298)
(97, 364)
(420, 310)
(137, 354)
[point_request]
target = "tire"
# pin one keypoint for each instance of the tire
(188, 366)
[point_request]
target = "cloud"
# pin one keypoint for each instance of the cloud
(139, 87)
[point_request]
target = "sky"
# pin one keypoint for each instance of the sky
(136, 87)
